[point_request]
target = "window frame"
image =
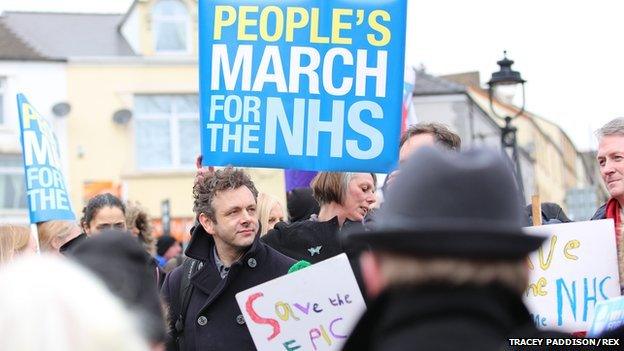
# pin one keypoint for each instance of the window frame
(174, 118)
(18, 171)
(156, 19)
(3, 104)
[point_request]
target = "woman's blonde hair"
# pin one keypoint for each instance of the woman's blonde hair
(266, 202)
(72, 309)
(13, 240)
(54, 231)
(137, 217)
(328, 187)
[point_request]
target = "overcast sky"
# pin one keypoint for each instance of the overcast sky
(570, 52)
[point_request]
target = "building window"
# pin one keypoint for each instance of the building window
(2, 98)
(166, 131)
(12, 190)
(171, 25)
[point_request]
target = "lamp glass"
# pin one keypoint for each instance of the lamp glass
(508, 93)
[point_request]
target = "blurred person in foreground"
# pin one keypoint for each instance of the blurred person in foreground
(226, 256)
(121, 262)
(610, 157)
(344, 198)
(51, 304)
(15, 240)
(270, 212)
(448, 262)
(56, 233)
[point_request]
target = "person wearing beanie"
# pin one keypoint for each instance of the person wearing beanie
(166, 249)
(301, 204)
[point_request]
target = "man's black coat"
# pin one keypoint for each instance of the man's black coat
(213, 320)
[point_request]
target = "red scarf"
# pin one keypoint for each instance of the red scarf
(613, 212)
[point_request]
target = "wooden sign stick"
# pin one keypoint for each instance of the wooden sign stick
(536, 209)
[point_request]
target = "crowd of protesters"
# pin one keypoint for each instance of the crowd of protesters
(442, 260)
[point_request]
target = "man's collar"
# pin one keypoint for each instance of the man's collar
(201, 245)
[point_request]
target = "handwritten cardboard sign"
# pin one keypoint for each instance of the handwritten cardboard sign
(302, 84)
(609, 315)
(308, 310)
(45, 184)
(574, 270)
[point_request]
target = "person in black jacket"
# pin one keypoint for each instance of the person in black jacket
(226, 247)
(448, 258)
(344, 198)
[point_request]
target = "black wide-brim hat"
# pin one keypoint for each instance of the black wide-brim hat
(451, 204)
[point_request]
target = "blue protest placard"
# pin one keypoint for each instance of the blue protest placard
(302, 84)
(45, 184)
(608, 315)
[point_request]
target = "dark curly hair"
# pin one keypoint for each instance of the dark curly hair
(209, 185)
(96, 203)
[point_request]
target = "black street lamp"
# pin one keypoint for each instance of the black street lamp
(502, 85)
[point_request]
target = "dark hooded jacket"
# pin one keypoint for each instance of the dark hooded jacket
(311, 240)
(308, 240)
(315, 241)
(213, 320)
(439, 318)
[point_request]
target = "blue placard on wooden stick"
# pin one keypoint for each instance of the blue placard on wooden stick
(45, 184)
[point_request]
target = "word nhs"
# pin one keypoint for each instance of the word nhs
(246, 120)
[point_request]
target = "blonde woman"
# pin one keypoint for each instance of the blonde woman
(344, 198)
(54, 234)
(15, 240)
(270, 212)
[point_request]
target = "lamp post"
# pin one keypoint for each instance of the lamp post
(503, 85)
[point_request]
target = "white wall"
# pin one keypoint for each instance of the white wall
(456, 112)
(44, 84)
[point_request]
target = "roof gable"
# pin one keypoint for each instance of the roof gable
(12, 47)
(64, 35)
(427, 84)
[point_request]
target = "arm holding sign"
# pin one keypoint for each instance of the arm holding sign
(551, 214)
(202, 170)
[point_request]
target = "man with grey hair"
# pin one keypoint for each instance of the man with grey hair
(610, 159)
(447, 263)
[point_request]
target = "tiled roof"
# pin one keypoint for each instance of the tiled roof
(64, 35)
(12, 47)
(427, 84)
